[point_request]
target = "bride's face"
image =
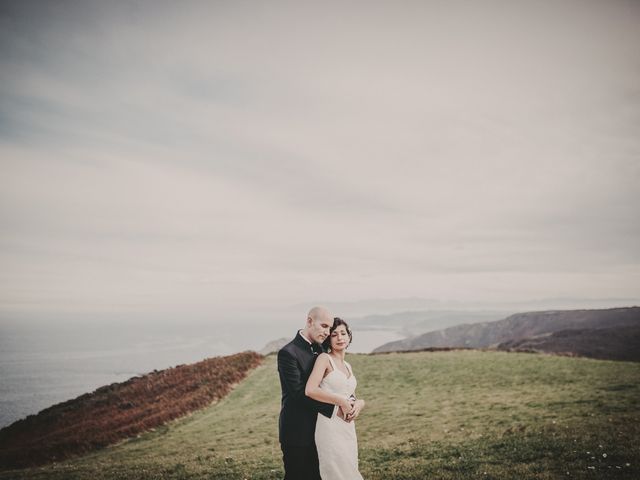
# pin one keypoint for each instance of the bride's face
(339, 338)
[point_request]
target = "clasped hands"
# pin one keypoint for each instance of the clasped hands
(350, 409)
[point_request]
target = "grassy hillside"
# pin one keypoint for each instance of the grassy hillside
(449, 415)
(120, 410)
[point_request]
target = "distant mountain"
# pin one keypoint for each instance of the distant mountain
(517, 327)
(417, 322)
(387, 306)
(616, 343)
(274, 345)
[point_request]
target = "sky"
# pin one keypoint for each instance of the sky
(208, 160)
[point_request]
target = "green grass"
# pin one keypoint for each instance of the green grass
(442, 415)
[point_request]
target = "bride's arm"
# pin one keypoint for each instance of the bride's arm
(314, 391)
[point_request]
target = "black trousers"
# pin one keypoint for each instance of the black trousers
(300, 463)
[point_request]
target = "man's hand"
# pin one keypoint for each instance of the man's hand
(357, 407)
(346, 409)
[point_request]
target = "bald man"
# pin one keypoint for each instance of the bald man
(298, 412)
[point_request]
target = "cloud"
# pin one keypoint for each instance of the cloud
(224, 154)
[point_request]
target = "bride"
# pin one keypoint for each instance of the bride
(332, 381)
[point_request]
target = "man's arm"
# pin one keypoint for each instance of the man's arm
(314, 391)
(293, 383)
(357, 407)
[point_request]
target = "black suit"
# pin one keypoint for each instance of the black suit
(298, 412)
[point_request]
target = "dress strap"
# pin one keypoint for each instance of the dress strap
(349, 369)
(333, 365)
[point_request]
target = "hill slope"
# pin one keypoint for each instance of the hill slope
(120, 410)
(446, 415)
(617, 343)
(517, 327)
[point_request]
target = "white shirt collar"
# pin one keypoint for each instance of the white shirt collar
(302, 335)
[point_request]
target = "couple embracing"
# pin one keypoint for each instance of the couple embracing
(319, 406)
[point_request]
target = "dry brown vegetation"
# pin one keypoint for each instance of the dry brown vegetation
(120, 410)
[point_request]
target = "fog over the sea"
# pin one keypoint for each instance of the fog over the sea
(179, 161)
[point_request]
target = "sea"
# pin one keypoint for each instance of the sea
(41, 366)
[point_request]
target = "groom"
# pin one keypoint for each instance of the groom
(298, 413)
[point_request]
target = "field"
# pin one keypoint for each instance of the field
(441, 415)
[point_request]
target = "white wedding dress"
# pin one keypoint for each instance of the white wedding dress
(336, 439)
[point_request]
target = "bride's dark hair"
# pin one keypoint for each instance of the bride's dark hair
(336, 323)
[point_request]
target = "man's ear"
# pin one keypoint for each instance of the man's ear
(309, 321)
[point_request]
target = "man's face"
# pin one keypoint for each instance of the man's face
(318, 329)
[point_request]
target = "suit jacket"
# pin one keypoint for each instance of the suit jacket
(298, 412)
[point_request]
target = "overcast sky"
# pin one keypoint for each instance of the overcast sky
(204, 158)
